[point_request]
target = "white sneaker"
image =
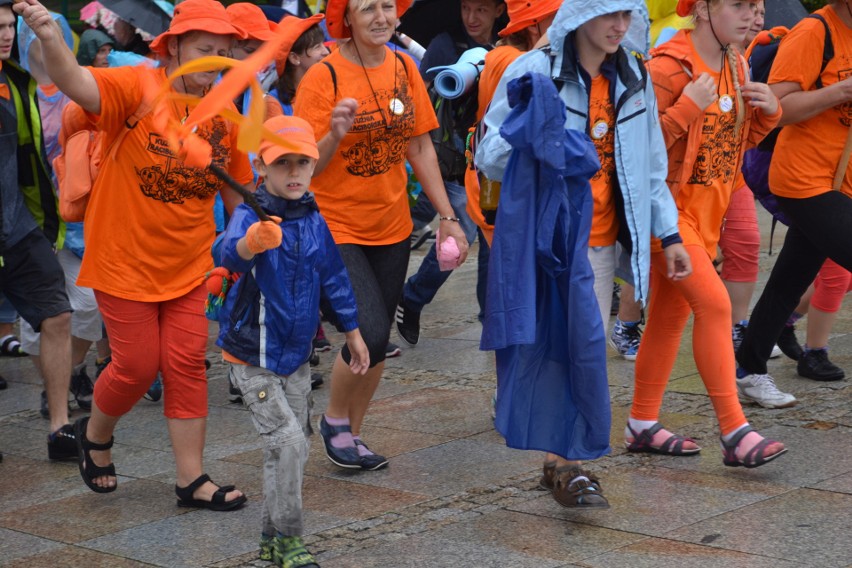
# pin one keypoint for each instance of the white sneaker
(762, 390)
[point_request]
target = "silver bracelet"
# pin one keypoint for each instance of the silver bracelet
(455, 219)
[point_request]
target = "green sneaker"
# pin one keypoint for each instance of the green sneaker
(290, 552)
(267, 545)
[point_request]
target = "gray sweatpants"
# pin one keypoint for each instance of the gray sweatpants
(280, 409)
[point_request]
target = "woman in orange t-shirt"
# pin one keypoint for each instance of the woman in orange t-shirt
(369, 108)
(811, 183)
(709, 116)
(148, 229)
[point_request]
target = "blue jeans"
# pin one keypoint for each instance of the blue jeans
(421, 288)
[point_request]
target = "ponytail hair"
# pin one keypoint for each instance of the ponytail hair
(733, 54)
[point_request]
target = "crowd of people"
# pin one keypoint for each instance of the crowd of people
(645, 186)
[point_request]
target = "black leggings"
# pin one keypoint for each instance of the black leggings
(377, 274)
(820, 228)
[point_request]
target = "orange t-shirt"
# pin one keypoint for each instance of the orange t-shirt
(806, 156)
(704, 198)
(602, 133)
(149, 222)
(362, 191)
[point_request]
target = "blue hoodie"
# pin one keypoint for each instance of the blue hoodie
(270, 315)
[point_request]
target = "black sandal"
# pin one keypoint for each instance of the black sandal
(218, 502)
(89, 470)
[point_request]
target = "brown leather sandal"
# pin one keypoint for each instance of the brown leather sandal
(578, 489)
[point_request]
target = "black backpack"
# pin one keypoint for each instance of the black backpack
(455, 117)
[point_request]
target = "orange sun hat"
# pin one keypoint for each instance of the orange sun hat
(335, 10)
(525, 13)
(197, 15)
(252, 19)
(295, 27)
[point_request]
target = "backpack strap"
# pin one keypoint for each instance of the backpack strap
(827, 50)
(333, 76)
(146, 105)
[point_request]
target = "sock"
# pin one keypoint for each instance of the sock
(794, 317)
(344, 439)
(807, 349)
(638, 426)
(362, 450)
(728, 437)
(741, 373)
(78, 368)
(619, 322)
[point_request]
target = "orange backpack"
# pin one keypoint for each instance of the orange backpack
(77, 166)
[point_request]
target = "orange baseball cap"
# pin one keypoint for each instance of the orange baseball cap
(335, 10)
(294, 27)
(197, 15)
(525, 13)
(297, 131)
(252, 19)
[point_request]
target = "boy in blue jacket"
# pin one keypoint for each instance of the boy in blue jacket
(269, 319)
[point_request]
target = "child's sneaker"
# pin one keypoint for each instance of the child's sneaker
(625, 338)
(321, 342)
(155, 391)
(267, 546)
(290, 552)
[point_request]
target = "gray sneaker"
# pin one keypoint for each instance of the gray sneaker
(762, 390)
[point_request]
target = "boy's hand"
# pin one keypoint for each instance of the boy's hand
(678, 263)
(360, 361)
(263, 236)
(702, 91)
(761, 96)
(343, 117)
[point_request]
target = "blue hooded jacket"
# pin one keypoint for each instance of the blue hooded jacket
(270, 316)
(645, 205)
(541, 315)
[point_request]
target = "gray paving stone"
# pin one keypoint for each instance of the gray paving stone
(427, 550)
(662, 553)
(805, 526)
(15, 544)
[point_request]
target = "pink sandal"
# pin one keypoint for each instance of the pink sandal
(755, 457)
(673, 446)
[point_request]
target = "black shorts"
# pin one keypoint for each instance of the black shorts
(33, 281)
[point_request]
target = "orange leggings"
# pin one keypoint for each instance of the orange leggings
(703, 294)
(147, 337)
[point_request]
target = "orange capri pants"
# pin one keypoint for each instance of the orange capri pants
(147, 337)
(831, 285)
(740, 238)
(703, 294)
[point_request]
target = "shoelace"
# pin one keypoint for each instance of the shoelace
(633, 334)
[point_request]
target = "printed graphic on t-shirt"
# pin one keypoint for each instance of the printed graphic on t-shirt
(717, 156)
(172, 181)
(602, 133)
(383, 125)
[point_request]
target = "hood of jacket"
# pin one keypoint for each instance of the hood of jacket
(285, 208)
(679, 48)
(575, 13)
(90, 42)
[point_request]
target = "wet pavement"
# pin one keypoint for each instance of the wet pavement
(453, 495)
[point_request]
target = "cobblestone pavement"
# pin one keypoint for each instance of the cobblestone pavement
(453, 494)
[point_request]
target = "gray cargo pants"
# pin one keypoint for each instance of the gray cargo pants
(280, 409)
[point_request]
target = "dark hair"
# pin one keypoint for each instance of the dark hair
(287, 82)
